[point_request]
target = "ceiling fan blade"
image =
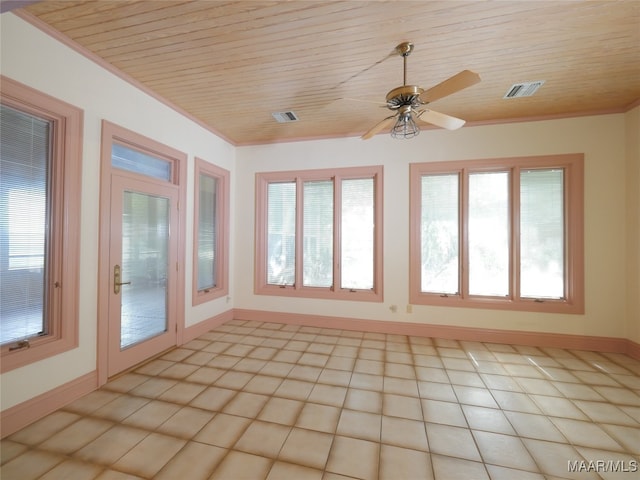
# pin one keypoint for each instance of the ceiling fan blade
(440, 119)
(379, 127)
(454, 84)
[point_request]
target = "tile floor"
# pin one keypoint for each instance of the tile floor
(270, 401)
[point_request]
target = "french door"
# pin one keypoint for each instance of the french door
(143, 253)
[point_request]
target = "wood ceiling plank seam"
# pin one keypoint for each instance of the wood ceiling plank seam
(131, 13)
(163, 29)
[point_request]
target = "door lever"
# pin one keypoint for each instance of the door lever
(116, 280)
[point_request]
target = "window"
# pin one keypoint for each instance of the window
(211, 232)
(319, 233)
(40, 161)
(504, 234)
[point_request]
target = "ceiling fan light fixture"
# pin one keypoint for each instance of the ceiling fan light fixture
(405, 126)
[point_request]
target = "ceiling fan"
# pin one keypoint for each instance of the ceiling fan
(407, 102)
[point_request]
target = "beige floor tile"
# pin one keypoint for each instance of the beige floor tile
(322, 418)
(115, 475)
(10, 450)
(452, 441)
(186, 422)
(401, 406)
(578, 391)
(305, 373)
(213, 398)
(313, 359)
(242, 466)
(503, 473)
(126, 382)
(339, 378)
(281, 410)
(480, 397)
(469, 379)
(150, 455)
(586, 434)
(558, 407)
(196, 461)
(200, 358)
(328, 395)
(30, 465)
(400, 386)
(72, 470)
(539, 386)
(340, 363)
(451, 468)
(120, 408)
(179, 371)
(515, 401)
(449, 413)
(366, 381)
(405, 433)
(277, 369)
(294, 389)
(628, 437)
(263, 384)
(223, 431)
(500, 382)
(92, 402)
(354, 457)
(611, 465)
(283, 470)
(76, 435)
(487, 419)
(362, 425)
(111, 445)
(263, 438)
(620, 396)
(428, 361)
(205, 375)
(246, 404)
(437, 391)
(234, 380)
(42, 429)
(552, 459)
(504, 450)
(363, 400)
(396, 463)
(153, 387)
(306, 447)
(534, 426)
(151, 415)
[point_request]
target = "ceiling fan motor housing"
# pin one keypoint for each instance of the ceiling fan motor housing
(405, 95)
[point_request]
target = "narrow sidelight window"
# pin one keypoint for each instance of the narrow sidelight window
(211, 232)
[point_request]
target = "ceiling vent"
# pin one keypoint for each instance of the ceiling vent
(285, 117)
(525, 89)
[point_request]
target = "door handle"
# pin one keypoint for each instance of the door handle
(116, 280)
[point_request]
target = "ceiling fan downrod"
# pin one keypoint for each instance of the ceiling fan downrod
(404, 49)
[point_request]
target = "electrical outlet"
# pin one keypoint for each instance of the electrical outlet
(409, 308)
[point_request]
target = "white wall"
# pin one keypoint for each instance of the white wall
(600, 138)
(35, 59)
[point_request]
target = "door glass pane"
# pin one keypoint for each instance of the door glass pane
(357, 233)
(134, 161)
(24, 204)
(318, 234)
(439, 234)
(489, 234)
(145, 250)
(542, 233)
(207, 232)
(281, 232)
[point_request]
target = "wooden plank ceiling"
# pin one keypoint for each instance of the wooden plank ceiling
(231, 64)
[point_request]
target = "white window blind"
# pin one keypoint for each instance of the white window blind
(207, 231)
(24, 216)
(542, 235)
(318, 233)
(440, 234)
(281, 232)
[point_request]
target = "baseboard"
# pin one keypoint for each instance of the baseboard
(514, 337)
(200, 328)
(19, 416)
